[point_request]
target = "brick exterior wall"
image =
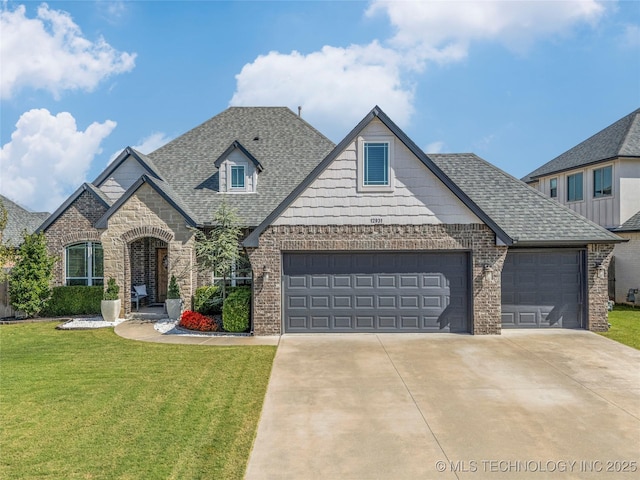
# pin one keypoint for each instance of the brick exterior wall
(75, 225)
(598, 259)
(476, 238)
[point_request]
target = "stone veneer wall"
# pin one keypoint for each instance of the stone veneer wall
(147, 214)
(598, 259)
(477, 238)
(75, 225)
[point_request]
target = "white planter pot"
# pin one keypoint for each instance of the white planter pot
(110, 310)
(174, 308)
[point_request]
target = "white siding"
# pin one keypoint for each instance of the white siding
(627, 265)
(418, 196)
(124, 176)
(629, 178)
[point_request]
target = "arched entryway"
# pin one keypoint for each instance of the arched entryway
(149, 267)
(147, 263)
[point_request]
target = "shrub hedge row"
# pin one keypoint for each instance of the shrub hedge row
(74, 300)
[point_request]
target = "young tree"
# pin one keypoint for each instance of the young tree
(219, 250)
(29, 287)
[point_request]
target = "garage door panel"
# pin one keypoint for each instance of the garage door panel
(364, 281)
(342, 322)
(388, 322)
(297, 282)
(542, 289)
(378, 292)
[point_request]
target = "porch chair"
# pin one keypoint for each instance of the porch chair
(138, 292)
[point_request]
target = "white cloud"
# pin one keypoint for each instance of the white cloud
(630, 37)
(443, 30)
(349, 80)
(49, 52)
(146, 145)
(435, 147)
(48, 157)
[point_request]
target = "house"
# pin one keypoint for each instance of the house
(19, 221)
(600, 179)
(368, 235)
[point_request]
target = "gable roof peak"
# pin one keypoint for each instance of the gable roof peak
(620, 139)
(237, 145)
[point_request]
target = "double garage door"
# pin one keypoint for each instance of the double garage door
(542, 289)
(376, 292)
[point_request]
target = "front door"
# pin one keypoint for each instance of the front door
(162, 274)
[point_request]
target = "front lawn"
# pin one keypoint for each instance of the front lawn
(625, 326)
(91, 405)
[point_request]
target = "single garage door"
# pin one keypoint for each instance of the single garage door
(376, 292)
(543, 289)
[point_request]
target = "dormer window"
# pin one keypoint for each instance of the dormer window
(238, 170)
(238, 177)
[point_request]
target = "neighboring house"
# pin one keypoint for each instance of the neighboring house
(371, 235)
(600, 179)
(19, 221)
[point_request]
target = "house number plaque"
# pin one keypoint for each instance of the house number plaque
(376, 219)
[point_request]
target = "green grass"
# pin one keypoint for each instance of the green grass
(625, 326)
(91, 405)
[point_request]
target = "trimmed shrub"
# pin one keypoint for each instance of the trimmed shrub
(112, 290)
(208, 300)
(173, 292)
(237, 310)
(74, 300)
(196, 321)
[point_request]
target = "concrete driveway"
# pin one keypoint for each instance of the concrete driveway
(527, 404)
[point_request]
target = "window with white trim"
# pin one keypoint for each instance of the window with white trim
(376, 163)
(238, 177)
(603, 182)
(84, 264)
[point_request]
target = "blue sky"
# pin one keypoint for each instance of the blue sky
(518, 83)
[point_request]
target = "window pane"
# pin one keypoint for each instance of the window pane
(76, 281)
(237, 176)
(77, 261)
(554, 187)
(574, 187)
(98, 261)
(602, 182)
(376, 164)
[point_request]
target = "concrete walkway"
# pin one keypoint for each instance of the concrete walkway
(143, 330)
(528, 404)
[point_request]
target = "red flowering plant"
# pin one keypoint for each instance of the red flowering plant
(196, 321)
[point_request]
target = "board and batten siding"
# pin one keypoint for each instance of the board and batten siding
(629, 187)
(418, 196)
(122, 178)
(604, 211)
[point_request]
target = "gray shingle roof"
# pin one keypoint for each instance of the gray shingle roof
(631, 225)
(526, 215)
(620, 139)
(285, 145)
(18, 220)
